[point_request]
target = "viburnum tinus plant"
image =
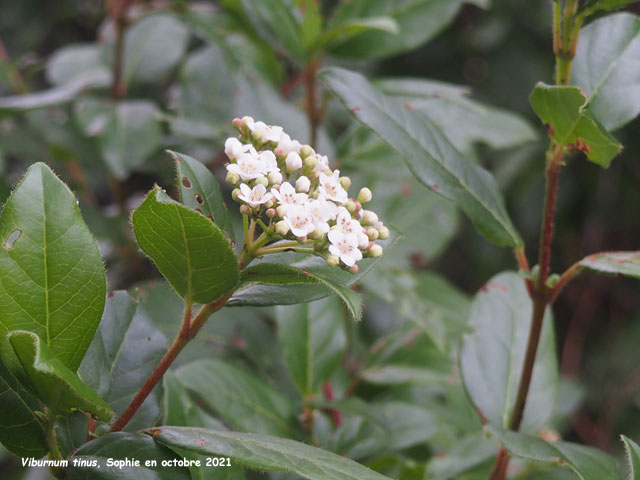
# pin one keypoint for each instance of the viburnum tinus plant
(267, 376)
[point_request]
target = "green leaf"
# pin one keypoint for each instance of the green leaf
(404, 374)
(588, 463)
(353, 27)
(633, 457)
(126, 337)
(313, 340)
(464, 121)
(243, 400)
(589, 7)
(492, 355)
(121, 446)
(153, 47)
(200, 191)
(21, 429)
(428, 153)
(418, 21)
(190, 251)
(464, 455)
(624, 263)
(180, 410)
(71, 432)
(567, 112)
(275, 22)
(52, 279)
(262, 452)
(128, 132)
(52, 381)
(73, 63)
(605, 68)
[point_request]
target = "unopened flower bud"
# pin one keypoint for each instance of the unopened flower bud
(310, 162)
(262, 181)
(303, 184)
(369, 218)
(383, 233)
(317, 234)
(332, 260)
(269, 204)
(375, 251)
(233, 178)
(245, 209)
(372, 233)
(237, 122)
(271, 212)
(354, 269)
(293, 162)
(282, 228)
(306, 150)
(257, 134)
(345, 182)
(281, 211)
(364, 196)
(235, 193)
(232, 148)
(274, 178)
(351, 206)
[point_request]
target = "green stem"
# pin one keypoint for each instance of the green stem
(245, 227)
(267, 250)
(50, 435)
(260, 241)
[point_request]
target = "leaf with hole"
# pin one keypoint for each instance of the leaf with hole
(51, 381)
(606, 70)
(429, 154)
(567, 111)
(126, 336)
(588, 463)
(492, 355)
(200, 191)
(262, 452)
(190, 251)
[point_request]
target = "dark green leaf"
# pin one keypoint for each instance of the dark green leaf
(624, 263)
(588, 463)
(312, 339)
(633, 457)
(243, 400)
(567, 112)
(492, 355)
(418, 21)
(353, 27)
(265, 453)
(73, 63)
(126, 337)
(21, 430)
(121, 446)
(429, 154)
(51, 380)
(200, 191)
(464, 455)
(463, 120)
(275, 22)
(128, 132)
(605, 68)
(190, 251)
(153, 47)
(71, 431)
(52, 280)
(180, 409)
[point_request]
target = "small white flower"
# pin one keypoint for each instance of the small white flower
(248, 167)
(286, 145)
(254, 196)
(293, 161)
(330, 186)
(344, 246)
(352, 226)
(303, 184)
(233, 148)
(322, 163)
(272, 133)
(269, 159)
(322, 211)
(287, 195)
(299, 220)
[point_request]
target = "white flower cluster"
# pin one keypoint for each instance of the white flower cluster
(297, 199)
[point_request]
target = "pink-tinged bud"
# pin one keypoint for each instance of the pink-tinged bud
(358, 206)
(245, 209)
(365, 195)
(271, 212)
(277, 152)
(302, 239)
(282, 228)
(332, 261)
(383, 233)
(351, 206)
(371, 244)
(375, 251)
(237, 122)
(354, 269)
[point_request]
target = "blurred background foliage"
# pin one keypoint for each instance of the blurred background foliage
(189, 67)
